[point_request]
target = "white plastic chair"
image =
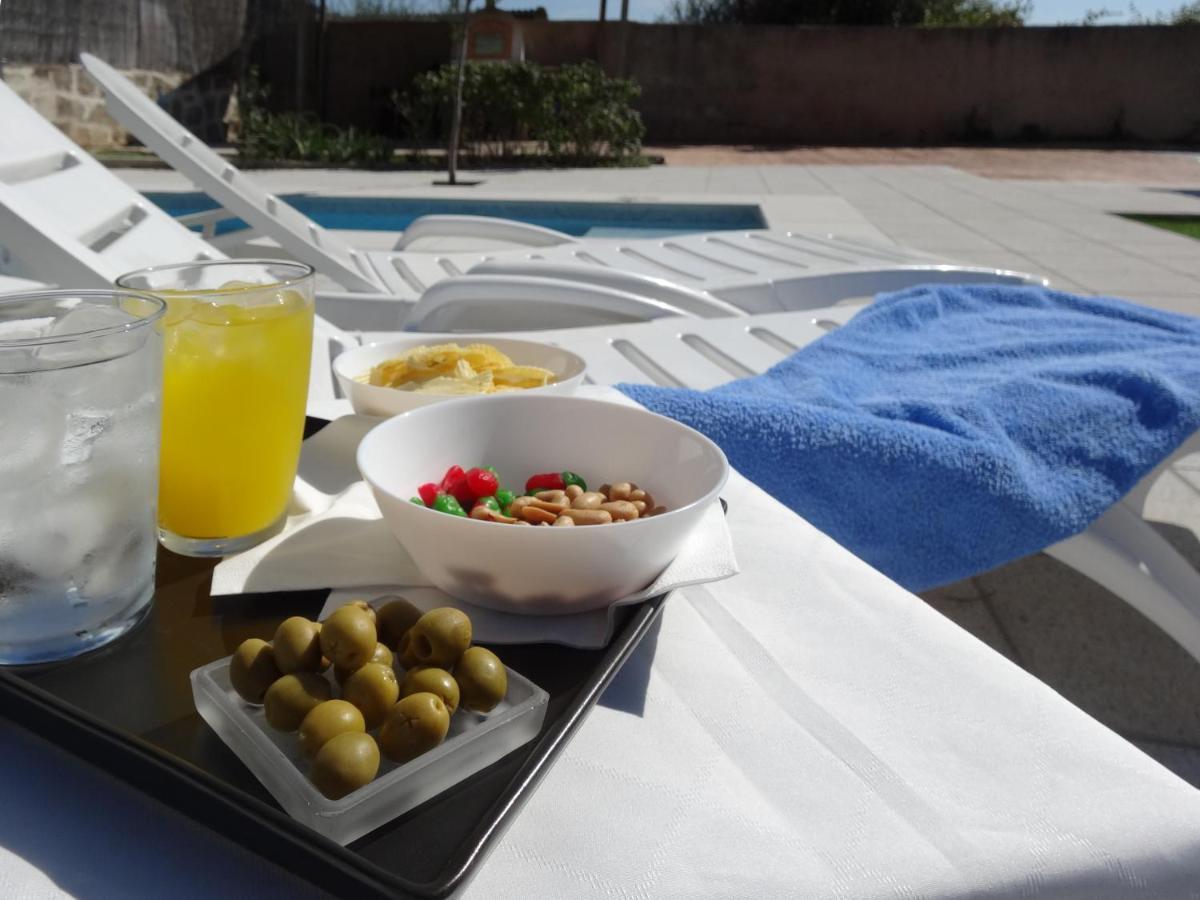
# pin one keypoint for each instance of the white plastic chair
(1119, 551)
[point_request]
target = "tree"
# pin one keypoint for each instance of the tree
(930, 13)
(460, 75)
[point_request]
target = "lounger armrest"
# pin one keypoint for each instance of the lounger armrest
(512, 303)
(697, 303)
(482, 227)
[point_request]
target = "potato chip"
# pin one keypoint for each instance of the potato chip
(523, 376)
(452, 369)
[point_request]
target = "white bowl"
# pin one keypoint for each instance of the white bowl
(544, 570)
(373, 400)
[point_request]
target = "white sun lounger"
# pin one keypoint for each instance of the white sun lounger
(753, 270)
(1119, 551)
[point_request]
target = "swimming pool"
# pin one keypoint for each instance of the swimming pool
(575, 218)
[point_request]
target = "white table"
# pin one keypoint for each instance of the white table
(806, 729)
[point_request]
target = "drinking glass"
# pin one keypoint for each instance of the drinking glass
(235, 384)
(80, 376)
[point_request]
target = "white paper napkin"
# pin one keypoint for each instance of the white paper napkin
(336, 538)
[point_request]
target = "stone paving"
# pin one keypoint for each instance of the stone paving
(1049, 163)
(1060, 626)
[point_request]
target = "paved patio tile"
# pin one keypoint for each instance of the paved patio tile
(1188, 304)
(1095, 650)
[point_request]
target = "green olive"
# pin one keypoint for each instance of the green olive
(438, 638)
(326, 721)
(417, 723)
(404, 653)
(381, 655)
(481, 678)
(365, 607)
(345, 763)
(434, 681)
(395, 618)
(374, 690)
(348, 637)
(291, 698)
(297, 645)
(252, 669)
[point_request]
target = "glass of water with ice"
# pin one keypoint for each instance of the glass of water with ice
(80, 388)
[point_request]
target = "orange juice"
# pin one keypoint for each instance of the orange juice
(235, 382)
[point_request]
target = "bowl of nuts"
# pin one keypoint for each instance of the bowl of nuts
(540, 505)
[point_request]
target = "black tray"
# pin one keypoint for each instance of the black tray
(130, 705)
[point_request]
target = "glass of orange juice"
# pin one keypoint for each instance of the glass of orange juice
(237, 351)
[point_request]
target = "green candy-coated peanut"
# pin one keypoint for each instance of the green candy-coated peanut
(447, 504)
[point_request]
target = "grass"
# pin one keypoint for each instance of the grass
(1188, 226)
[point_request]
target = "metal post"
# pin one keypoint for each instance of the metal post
(603, 10)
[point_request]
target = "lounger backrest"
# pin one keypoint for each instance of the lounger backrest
(66, 218)
(299, 235)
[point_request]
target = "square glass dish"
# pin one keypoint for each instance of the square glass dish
(475, 741)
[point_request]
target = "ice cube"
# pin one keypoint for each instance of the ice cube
(83, 319)
(80, 321)
(121, 564)
(83, 429)
(71, 522)
(32, 430)
(24, 329)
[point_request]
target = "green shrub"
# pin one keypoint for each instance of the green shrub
(573, 112)
(300, 137)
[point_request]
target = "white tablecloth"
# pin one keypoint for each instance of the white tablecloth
(805, 729)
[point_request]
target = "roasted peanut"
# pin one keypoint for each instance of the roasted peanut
(638, 494)
(547, 505)
(558, 497)
(564, 520)
(573, 491)
(657, 510)
(514, 508)
(640, 506)
(534, 515)
(604, 489)
(589, 516)
(620, 491)
(490, 515)
(620, 509)
(588, 500)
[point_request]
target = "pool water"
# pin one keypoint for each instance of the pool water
(580, 219)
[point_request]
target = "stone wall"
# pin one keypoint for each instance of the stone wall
(66, 96)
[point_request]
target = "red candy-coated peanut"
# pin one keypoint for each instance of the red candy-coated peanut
(428, 493)
(454, 483)
(546, 481)
(482, 482)
(453, 474)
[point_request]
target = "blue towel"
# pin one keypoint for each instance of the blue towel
(946, 430)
